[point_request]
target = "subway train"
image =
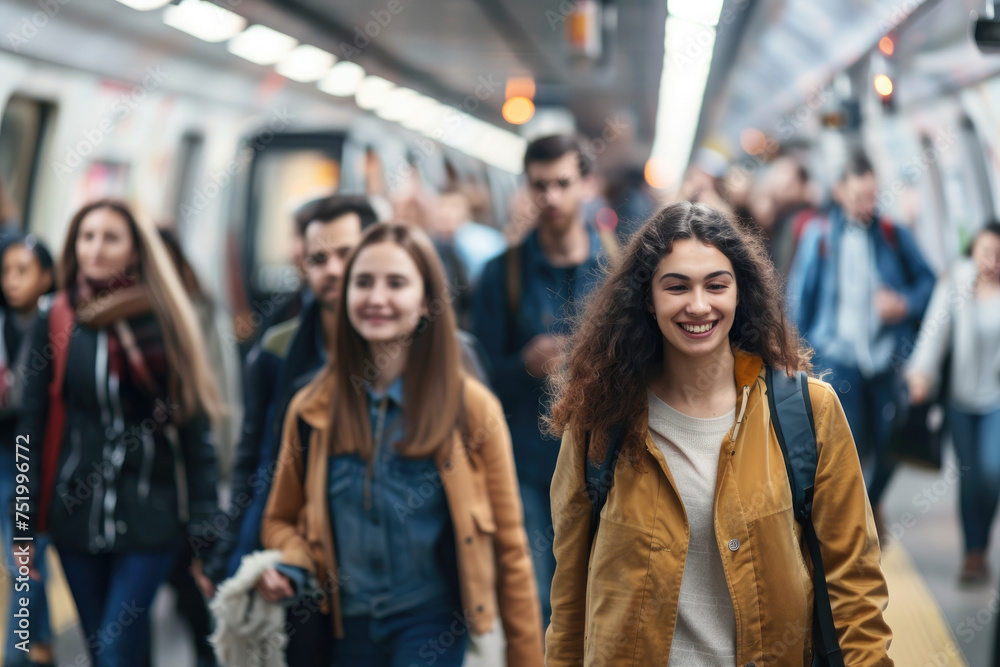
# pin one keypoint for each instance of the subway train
(155, 103)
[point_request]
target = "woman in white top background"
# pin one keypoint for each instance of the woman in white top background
(963, 320)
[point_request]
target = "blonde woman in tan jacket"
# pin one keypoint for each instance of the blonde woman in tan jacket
(395, 491)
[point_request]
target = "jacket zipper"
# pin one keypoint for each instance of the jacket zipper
(148, 454)
(370, 472)
(180, 471)
(117, 459)
(74, 457)
(100, 381)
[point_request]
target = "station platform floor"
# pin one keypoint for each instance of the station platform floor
(935, 622)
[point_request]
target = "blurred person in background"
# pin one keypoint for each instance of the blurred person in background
(858, 286)
(475, 243)
(737, 184)
(189, 580)
(10, 219)
(28, 275)
(463, 245)
(963, 321)
(118, 417)
(396, 416)
(287, 357)
(703, 180)
(628, 196)
(520, 316)
(787, 187)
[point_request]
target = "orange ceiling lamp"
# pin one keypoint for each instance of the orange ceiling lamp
(883, 85)
(518, 110)
(657, 173)
(887, 46)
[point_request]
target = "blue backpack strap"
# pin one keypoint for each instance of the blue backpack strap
(791, 414)
(792, 418)
(600, 479)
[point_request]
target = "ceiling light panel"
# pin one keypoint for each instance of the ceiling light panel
(262, 45)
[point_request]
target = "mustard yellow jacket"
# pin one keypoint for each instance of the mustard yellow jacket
(494, 561)
(618, 605)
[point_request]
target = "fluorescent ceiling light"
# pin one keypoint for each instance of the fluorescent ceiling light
(262, 45)
(399, 104)
(705, 12)
(372, 92)
(343, 79)
(682, 91)
(204, 20)
(144, 5)
(306, 64)
(424, 113)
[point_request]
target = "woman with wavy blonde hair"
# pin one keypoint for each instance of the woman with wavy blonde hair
(698, 557)
(116, 412)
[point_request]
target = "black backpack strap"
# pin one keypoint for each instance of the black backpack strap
(792, 418)
(600, 479)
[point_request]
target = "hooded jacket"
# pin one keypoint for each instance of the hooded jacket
(491, 547)
(618, 605)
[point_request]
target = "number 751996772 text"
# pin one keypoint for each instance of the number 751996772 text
(21, 464)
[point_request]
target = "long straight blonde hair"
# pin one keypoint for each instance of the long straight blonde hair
(185, 346)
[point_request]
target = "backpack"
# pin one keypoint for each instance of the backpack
(792, 417)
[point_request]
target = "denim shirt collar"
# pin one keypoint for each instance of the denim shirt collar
(394, 393)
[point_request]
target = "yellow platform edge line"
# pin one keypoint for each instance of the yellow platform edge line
(921, 634)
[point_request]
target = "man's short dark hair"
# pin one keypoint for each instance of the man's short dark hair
(858, 165)
(548, 149)
(326, 209)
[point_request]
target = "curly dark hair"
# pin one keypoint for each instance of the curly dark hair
(617, 348)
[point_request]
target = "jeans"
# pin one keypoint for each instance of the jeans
(434, 635)
(113, 595)
(870, 406)
(977, 444)
(538, 526)
(38, 607)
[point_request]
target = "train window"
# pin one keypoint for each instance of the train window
(22, 136)
(104, 178)
(284, 180)
(186, 178)
(935, 203)
(979, 181)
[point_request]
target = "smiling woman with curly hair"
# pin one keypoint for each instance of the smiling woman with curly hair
(698, 557)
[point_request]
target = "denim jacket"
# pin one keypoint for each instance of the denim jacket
(548, 297)
(391, 524)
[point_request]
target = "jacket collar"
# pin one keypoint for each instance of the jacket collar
(314, 405)
(747, 368)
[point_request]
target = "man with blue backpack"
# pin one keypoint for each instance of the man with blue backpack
(857, 291)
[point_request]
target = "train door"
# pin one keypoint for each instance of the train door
(285, 171)
(23, 133)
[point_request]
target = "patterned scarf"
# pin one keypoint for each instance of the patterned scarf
(137, 350)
